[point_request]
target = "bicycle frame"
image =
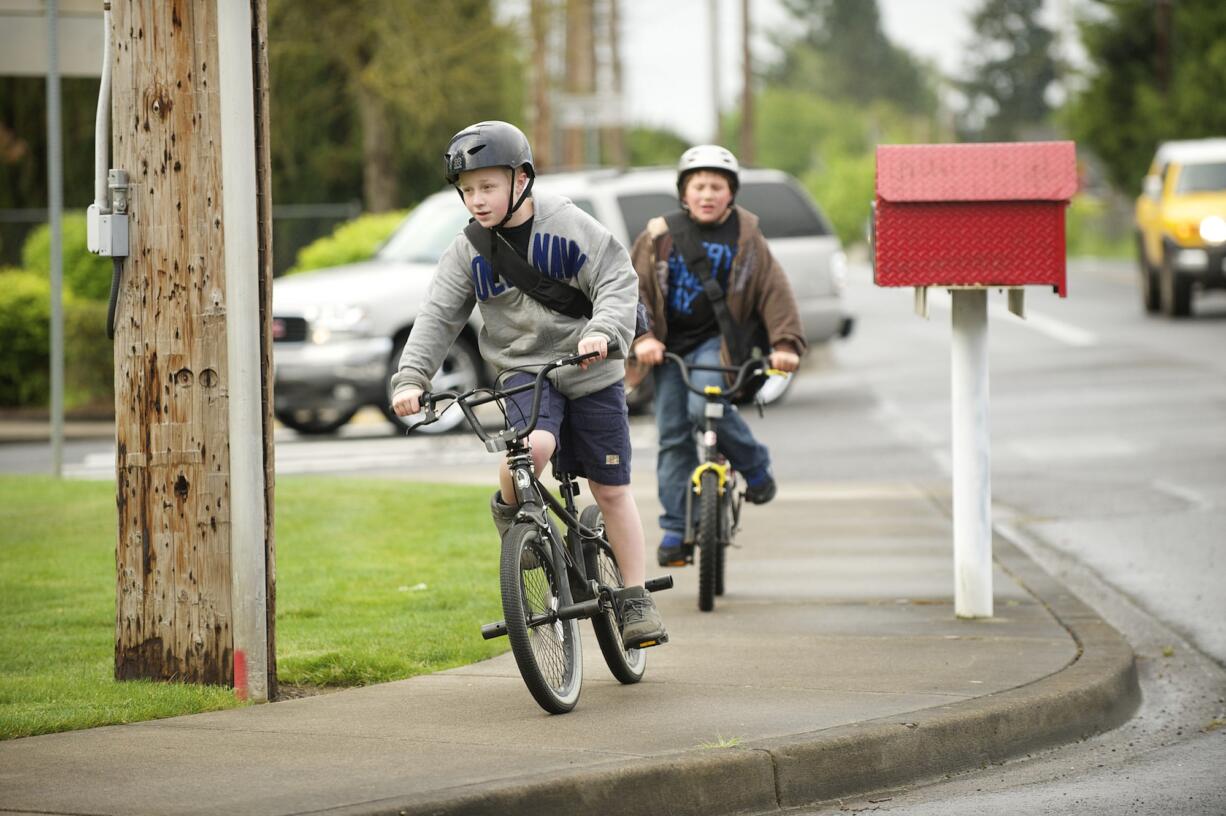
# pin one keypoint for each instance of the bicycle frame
(581, 595)
(713, 411)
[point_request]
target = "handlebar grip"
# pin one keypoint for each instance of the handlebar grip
(659, 584)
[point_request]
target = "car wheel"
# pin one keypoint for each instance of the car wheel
(1176, 291)
(461, 371)
(315, 421)
(1151, 291)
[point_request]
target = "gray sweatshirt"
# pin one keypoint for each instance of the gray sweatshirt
(567, 244)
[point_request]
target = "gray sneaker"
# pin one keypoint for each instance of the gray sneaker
(504, 517)
(641, 623)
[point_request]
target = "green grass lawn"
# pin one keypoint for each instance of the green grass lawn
(376, 581)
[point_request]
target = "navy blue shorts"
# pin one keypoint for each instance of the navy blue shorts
(592, 432)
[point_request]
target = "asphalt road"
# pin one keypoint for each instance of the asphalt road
(1108, 468)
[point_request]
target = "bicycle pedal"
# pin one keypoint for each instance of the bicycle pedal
(649, 642)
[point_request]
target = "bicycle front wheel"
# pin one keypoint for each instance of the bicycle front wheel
(627, 665)
(547, 651)
(709, 539)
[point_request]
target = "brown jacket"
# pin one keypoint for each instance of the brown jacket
(756, 285)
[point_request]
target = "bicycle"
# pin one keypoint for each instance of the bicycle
(550, 581)
(714, 484)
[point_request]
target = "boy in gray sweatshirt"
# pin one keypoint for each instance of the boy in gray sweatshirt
(583, 412)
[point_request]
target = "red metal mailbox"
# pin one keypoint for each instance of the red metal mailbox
(973, 214)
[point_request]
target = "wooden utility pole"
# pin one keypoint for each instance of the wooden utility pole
(194, 557)
(713, 15)
(541, 16)
(747, 145)
(616, 133)
(580, 78)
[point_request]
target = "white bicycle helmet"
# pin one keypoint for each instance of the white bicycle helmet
(708, 157)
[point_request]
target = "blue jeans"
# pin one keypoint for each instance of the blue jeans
(679, 412)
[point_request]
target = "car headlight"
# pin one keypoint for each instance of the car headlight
(335, 321)
(1213, 229)
(1184, 231)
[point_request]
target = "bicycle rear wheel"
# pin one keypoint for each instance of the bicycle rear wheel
(627, 665)
(549, 654)
(709, 555)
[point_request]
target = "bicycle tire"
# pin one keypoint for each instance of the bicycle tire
(709, 503)
(549, 656)
(627, 665)
(732, 511)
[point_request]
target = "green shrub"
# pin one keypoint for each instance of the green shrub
(354, 240)
(25, 337)
(1096, 229)
(844, 188)
(85, 273)
(89, 365)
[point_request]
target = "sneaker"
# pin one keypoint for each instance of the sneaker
(671, 552)
(641, 623)
(504, 517)
(760, 486)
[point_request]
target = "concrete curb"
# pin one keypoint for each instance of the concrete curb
(1097, 691)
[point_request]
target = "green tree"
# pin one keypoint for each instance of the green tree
(367, 93)
(647, 146)
(842, 52)
(1010, 68)
(1158, 69)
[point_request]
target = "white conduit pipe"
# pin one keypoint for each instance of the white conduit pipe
(102, 120)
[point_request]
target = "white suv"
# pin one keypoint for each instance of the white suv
(338, 332)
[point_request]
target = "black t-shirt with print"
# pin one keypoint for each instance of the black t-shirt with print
(691, 319)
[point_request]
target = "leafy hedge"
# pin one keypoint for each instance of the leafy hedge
(352, 241)
(85, 273)
(25, 341)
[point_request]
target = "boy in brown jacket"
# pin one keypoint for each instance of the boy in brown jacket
(683, 321)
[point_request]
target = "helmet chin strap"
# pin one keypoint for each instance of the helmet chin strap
(512, 204)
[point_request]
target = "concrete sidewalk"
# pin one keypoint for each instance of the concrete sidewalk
(834, 665)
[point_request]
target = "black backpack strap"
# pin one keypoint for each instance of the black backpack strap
(507, 263)
(687, 242)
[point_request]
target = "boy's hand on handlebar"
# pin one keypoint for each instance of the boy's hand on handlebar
(649, 350)
(407, 402)
(785, 360)
(593, 343)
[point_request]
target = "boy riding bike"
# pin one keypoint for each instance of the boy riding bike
(583, 413)
(691, 317)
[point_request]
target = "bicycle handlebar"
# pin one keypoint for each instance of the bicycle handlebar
(752, 367)
(469, 400)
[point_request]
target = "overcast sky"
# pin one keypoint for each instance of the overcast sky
(667, 66)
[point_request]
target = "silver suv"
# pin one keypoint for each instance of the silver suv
(338, 332)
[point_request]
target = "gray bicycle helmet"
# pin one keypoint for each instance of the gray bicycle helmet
(708, 157)
(490, 144)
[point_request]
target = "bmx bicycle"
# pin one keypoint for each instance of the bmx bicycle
(550, 579)
(713, 504)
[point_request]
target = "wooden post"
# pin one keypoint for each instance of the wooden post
(580, 78)
(748, 150)
(174, 367)
(541, 18)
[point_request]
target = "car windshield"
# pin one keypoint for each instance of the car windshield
(428, 231)
(1202, 178)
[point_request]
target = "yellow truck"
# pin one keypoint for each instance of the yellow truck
(1181, 224)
